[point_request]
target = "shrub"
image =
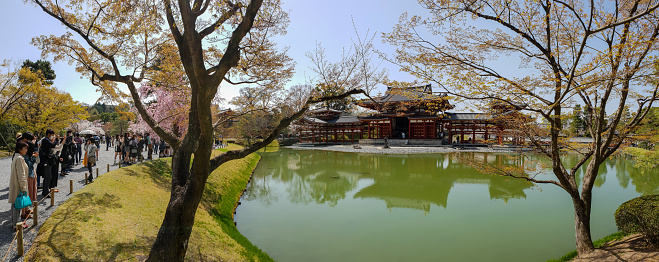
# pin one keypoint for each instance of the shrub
(640, 215)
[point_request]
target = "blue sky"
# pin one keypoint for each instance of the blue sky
(325, 22)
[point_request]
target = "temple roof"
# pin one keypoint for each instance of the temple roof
(375, 117)
(406, 94)
(423, 117)
(344, 119)
(325, 110)
(467, 116)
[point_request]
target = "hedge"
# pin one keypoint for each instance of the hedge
(640, 215)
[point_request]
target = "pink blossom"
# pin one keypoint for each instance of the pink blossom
(167, 104)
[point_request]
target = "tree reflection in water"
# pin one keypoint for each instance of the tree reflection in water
(405, 181)
(409, 181)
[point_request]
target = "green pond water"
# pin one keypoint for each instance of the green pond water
(305, 205)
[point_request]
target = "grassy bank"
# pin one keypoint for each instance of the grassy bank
(118, 217)
(598, 243)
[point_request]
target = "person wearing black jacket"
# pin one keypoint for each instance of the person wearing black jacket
(50, 146)
(108, 142)
(67, 153)
(126, 145)
(140, 147)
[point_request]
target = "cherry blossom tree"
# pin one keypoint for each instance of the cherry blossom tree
(167, 104)
(81, 125)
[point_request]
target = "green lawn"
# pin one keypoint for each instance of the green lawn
(118, 216)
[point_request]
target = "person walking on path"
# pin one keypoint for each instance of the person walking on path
(126, 144)
(18, 181)
(108, 142)
(78, 141)
(91, 151)
(155, 146)
(141, 143)
(48, 160)
(133, 149)
(117, 148)
(149, 145)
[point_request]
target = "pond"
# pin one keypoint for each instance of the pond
(312, 205)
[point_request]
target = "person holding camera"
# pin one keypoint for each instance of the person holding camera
(49, 161)
(67, 154)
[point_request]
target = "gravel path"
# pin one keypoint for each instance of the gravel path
(45, 210)
(377, 149)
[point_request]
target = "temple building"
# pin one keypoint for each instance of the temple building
(326, 125)
(413, 113)
(416, 115)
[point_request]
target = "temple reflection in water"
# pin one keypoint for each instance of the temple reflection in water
(401, 181)
(305, 205)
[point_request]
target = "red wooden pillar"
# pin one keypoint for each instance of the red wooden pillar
(370, 130)
(473, 134)
(433, 125)
(486, 133)
(450, 138)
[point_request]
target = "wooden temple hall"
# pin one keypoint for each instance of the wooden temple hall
(415, 115)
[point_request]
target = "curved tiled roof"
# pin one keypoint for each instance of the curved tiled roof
(344, 119)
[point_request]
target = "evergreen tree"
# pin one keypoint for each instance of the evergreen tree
(43, 68)
(578, 123)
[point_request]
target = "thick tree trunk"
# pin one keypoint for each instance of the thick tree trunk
(172, 241)
(582, 227)
(188, 184)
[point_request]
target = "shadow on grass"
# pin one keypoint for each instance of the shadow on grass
(83, 208)
(631, 248)
(159, 171)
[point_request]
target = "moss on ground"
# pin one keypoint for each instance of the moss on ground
(118, 216)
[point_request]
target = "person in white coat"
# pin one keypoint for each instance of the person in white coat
(18, 180)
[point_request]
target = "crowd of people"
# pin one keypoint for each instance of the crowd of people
(130, 147)
(53, 156)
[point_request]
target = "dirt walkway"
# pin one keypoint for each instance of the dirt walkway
(631, 248)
